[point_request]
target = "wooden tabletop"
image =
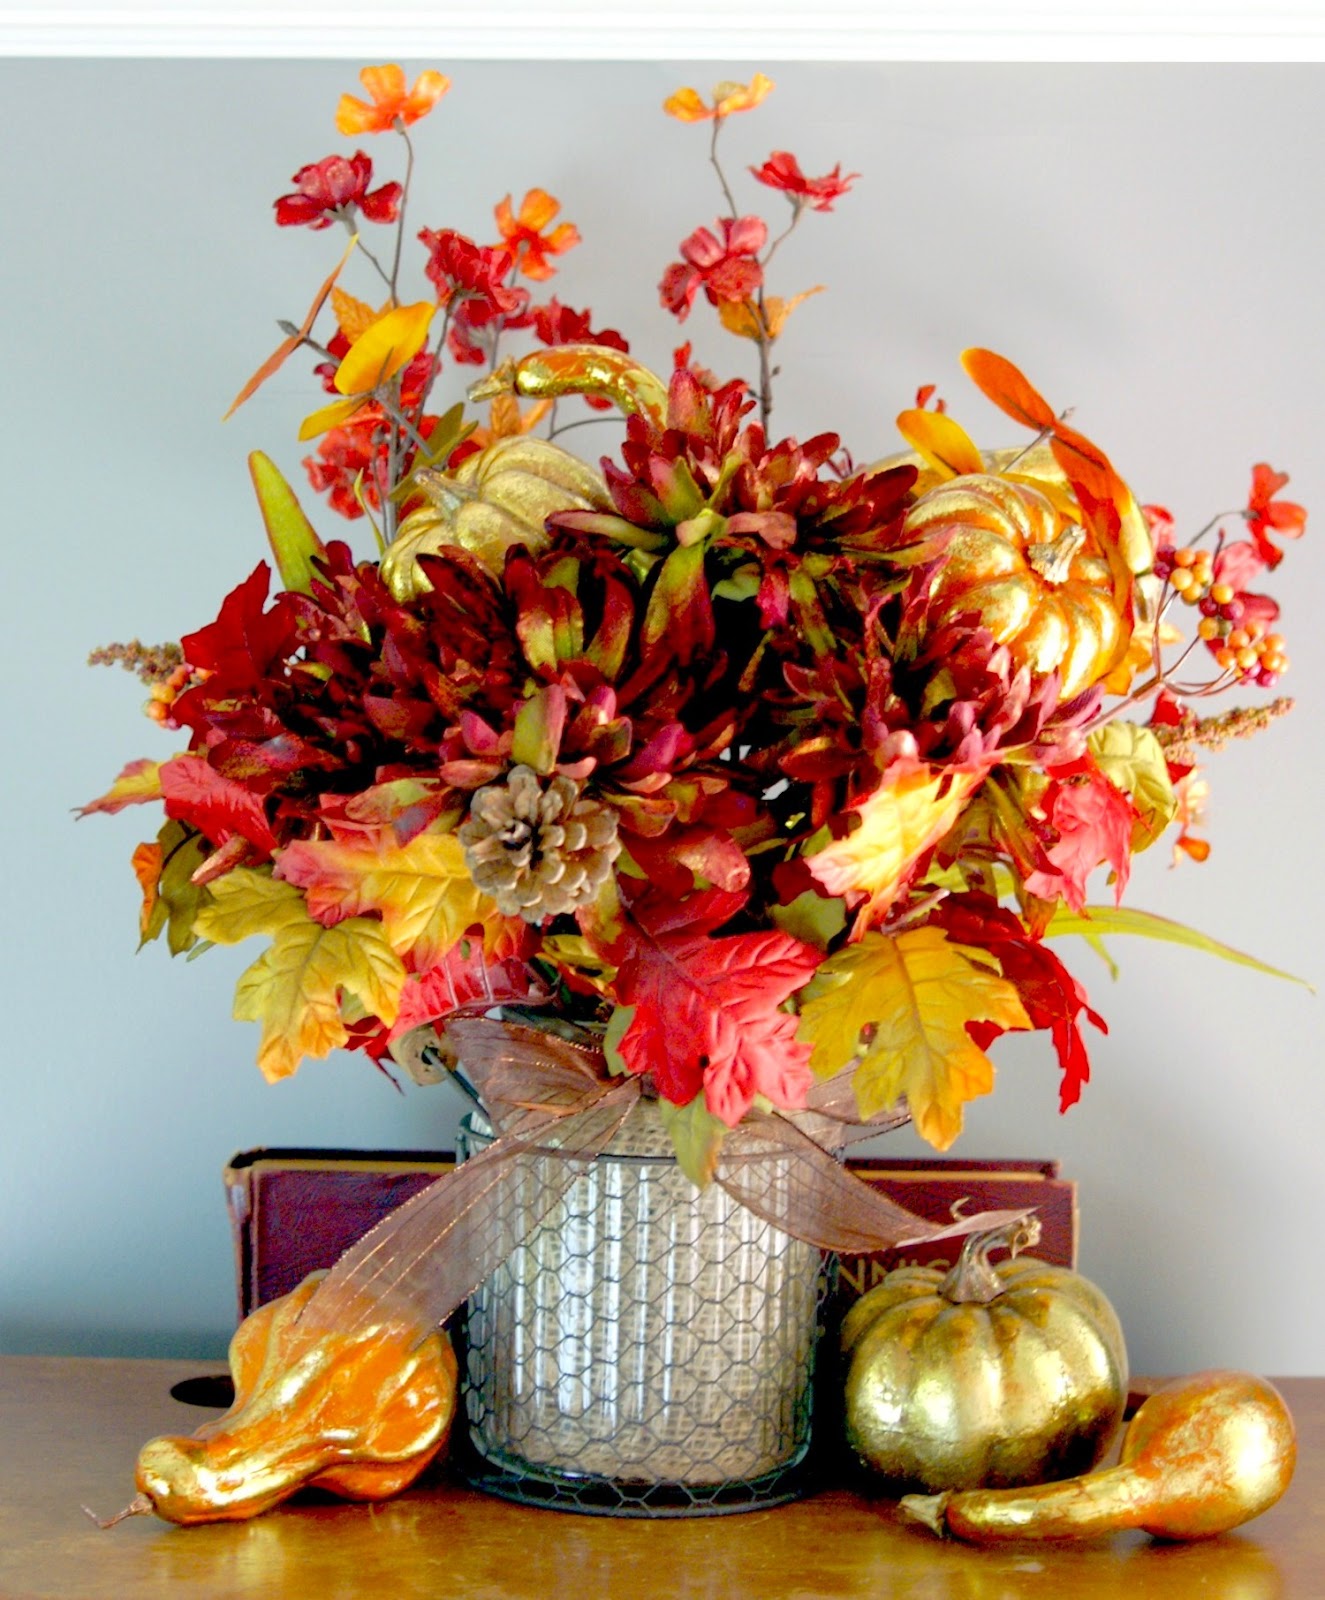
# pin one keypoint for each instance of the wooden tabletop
(70, 1430)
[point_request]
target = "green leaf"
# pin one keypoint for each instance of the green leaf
(678, 607)
(448, 431)
(680, 495)
(178, 899)
(1132, 759)
(619, 1021)
(697, 1137)
(1093, 921)
(536, 737)
(743, 584)
(814, 918)
(294, 543)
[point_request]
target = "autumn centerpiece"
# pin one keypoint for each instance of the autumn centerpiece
(746, 777)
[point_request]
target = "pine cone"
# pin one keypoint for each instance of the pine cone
(537, 851)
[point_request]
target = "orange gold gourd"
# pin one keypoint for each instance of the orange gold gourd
(360, 1415)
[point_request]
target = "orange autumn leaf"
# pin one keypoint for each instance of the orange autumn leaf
(298, 988)
(748, 320)
(422, 891)
(1111, 510)
(508, 420)
(1004, 384)
(905, 816)
(146, 861)
(283, 351)
(943, 444)
(688, 105)
(910, 997)
(353, 316)
(139, 781)
(391, 100)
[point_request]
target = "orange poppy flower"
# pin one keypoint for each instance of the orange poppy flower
(687, 105)
(523, 232)
(391, 100)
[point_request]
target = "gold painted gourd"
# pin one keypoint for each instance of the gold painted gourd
(360, 1414)
(1202, 1455)
(494, 499)
(1011, 554)
(988, 1375)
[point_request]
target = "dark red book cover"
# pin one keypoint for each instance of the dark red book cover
(295, 1211)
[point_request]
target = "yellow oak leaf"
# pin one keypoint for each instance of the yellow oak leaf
(294, 989)
(248, 901)
(299, 988)
(909, 812)
(915, 992)
(422, 891)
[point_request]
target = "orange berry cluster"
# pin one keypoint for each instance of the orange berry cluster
(1249, 649)
(1239, 643)
(1192, 574)
(165, 693)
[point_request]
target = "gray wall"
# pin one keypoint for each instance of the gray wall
(1145, 241)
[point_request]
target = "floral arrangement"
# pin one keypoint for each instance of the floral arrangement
(759, 763)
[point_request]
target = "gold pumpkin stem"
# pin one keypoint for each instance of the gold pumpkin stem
(1053, 561)
(972, 1280)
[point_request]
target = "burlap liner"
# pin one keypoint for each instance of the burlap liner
(644, 1330)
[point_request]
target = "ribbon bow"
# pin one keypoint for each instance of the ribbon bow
(549, 1096)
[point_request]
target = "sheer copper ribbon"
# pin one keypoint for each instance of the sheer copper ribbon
(550, 1097)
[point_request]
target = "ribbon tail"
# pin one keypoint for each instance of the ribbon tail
(813, 1197)
(428, 1256)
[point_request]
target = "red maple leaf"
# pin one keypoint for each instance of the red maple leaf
(707, 1016)
(463, 977)
(217, 806)
(245, 640)
(1051, 995)
(1093, 821)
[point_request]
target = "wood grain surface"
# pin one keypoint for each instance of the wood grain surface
(71, 1428)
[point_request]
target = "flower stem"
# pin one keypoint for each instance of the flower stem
(717, 167)
(400, 215)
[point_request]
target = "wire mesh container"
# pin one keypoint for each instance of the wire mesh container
(649, 1348)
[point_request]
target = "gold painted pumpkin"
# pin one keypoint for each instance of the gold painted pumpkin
(495, 498)
(1009, 551)
(985, 1376)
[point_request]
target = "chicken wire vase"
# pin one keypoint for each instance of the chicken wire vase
(648, 1350)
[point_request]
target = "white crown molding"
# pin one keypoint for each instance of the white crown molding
(740, 30)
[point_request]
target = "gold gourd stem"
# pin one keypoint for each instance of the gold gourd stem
(972, 1279)
(139, 1506)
